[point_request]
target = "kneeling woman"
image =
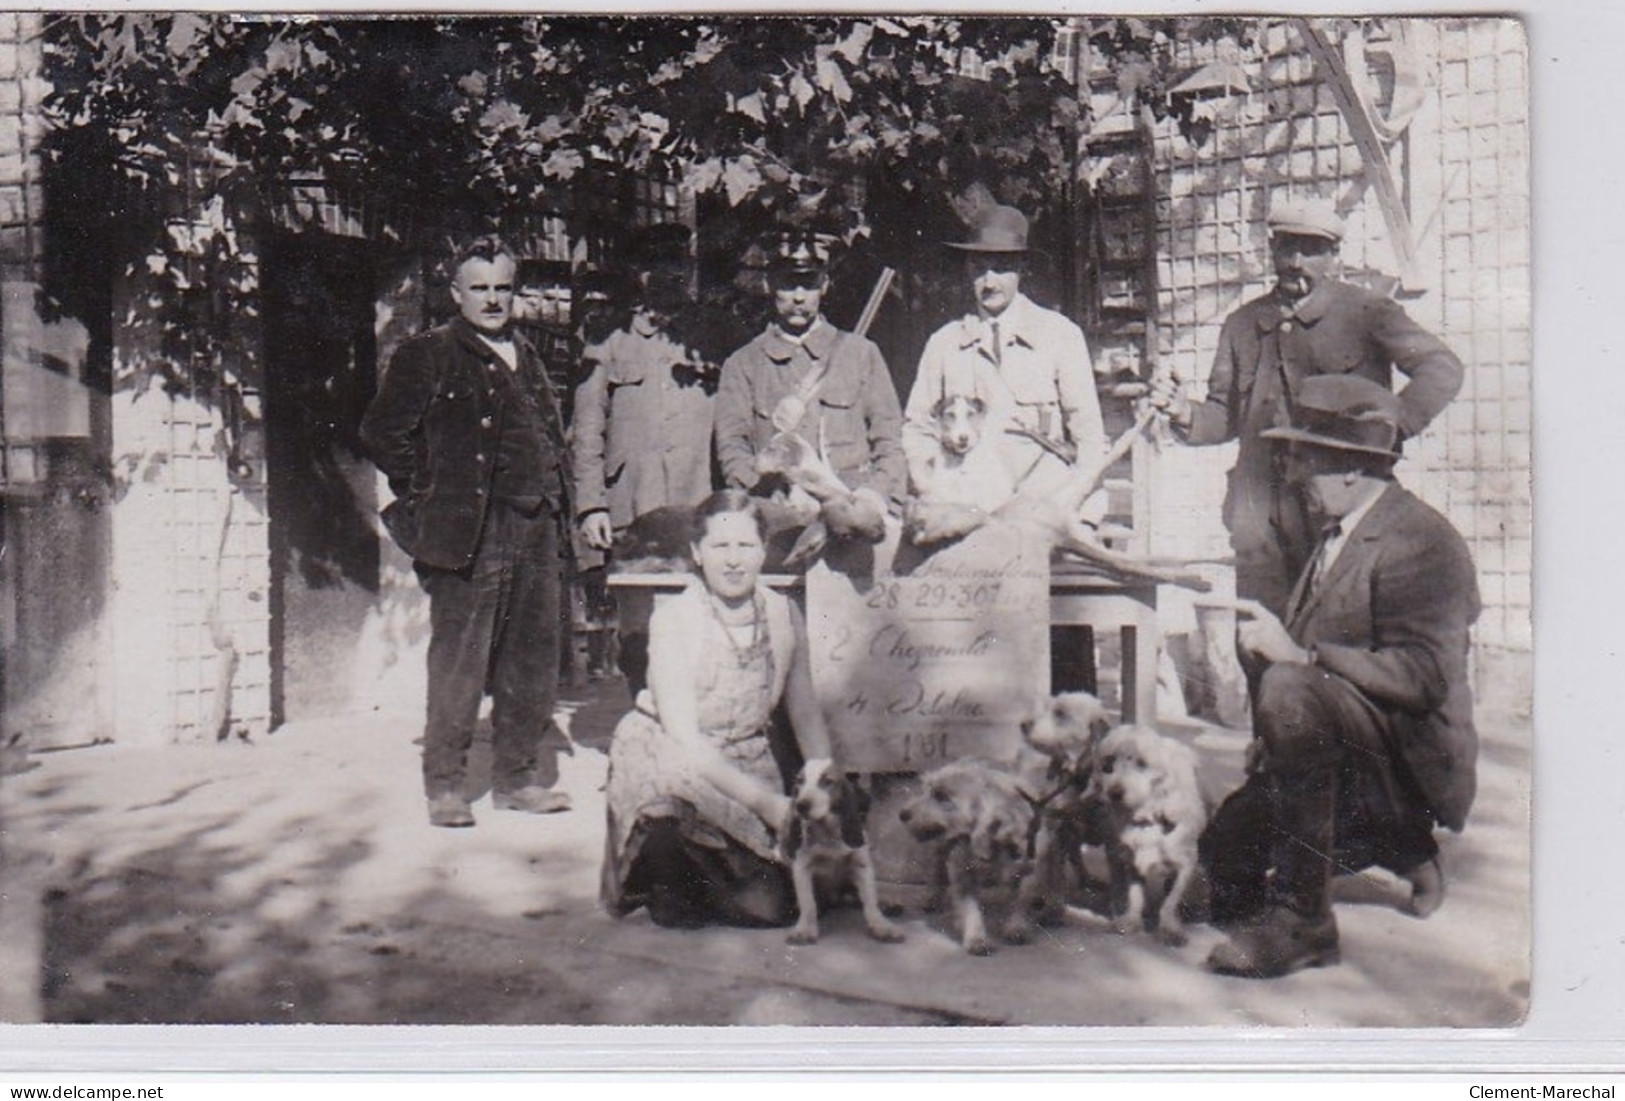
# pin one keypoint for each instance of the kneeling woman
(695, 795)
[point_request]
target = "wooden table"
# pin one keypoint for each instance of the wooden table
(1079, 597)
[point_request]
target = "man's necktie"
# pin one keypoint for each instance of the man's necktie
(1317, 565)
(998, 346)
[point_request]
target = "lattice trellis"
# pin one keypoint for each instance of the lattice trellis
(1464, 167)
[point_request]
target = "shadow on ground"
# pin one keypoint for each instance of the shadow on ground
(295, 880)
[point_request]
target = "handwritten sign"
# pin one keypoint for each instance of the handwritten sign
(944, 663)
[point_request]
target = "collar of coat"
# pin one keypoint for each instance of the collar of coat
(1368, 526)
(817, 342)
(1017, 324)
(1309, 309)
(470, 340)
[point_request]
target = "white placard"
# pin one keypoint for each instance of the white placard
(918, 670)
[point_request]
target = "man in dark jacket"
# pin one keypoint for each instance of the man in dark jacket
(468, 432)
(1308, 325)
(1363, 733)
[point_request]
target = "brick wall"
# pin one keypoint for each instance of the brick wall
(1463, 167)
(190, 559)
(21, 90)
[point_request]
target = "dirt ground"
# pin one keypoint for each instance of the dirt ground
(295, 880)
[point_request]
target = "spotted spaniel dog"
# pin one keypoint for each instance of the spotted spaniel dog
(826, 842)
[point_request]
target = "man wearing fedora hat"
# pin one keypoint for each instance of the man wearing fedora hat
(803, 374)
(1363, 734)
(1029, 365)
(1309, 324)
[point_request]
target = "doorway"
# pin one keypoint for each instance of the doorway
(320, 363)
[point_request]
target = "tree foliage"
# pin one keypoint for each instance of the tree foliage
(497, 114)
(859, 124)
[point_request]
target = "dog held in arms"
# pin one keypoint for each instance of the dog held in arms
(825, 842)
(1148, 784)
(963, 473)
(1051, 512)
(976, 815)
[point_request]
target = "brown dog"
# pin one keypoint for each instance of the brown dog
(1057, 776)
(977, 816)
(826, 842)
(1148, 784)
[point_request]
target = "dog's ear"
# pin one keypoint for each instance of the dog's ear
(860, 791)
(1099, 727)
(852, 810)
(790, 843)
(1001, 827)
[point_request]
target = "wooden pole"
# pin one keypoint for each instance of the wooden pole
(876, 297)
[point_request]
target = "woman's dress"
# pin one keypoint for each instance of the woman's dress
(653, 788)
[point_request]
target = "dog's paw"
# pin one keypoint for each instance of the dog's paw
(1173, 937)
(799, 935)
(1123, 924)
(894, 909)
(1017, 932)
(887, 933)
(980, 946)
(1051, 916)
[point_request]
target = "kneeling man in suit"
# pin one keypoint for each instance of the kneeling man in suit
(1363, 725)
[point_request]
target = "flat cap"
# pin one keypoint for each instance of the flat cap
(1305, 218)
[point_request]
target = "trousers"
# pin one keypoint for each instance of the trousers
(494, 626)
(1326, 797)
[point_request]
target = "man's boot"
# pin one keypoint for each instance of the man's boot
(1296, 929)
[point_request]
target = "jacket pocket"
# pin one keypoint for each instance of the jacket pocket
(844, 435)
(1037, 405)
(403, 519)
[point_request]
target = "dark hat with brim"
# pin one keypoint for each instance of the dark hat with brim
(1343, 413)
(662, 243)
(535, 273)
(999, 229)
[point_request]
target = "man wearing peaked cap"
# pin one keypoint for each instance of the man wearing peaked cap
(1309, 324)
(1363, 734)
(804, 375)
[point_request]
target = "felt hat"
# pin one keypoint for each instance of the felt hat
(1305, 218)
(1343, 413)
(999, 229)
